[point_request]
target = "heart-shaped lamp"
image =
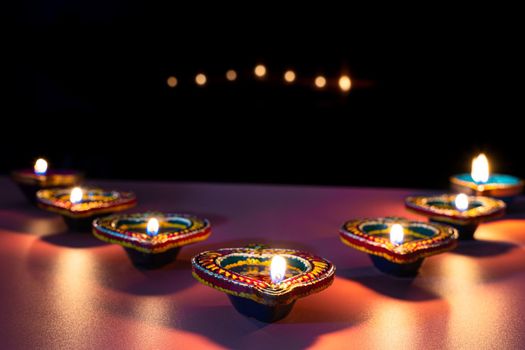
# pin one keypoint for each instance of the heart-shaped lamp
(80, 205)
(263, 283)
(398, 246)
(460, 211)
(152, 240)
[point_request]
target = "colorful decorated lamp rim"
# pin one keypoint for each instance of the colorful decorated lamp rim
(213, 268)
(177, 230)
(99, 201)
(52, 178)
(498, 184)
(421, 240)
(443, 207)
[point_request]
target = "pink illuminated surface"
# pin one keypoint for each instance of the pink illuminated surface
(69, 290)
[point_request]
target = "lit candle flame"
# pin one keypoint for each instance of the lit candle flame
(40, 166)
(461, 202)
(152, 229)
(397, 234)
(277, 269)
(480, 169)
(76, 195)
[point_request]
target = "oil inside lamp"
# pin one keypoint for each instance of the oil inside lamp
(152, 229)
(40, 166)
(396, 234)
(461, 202)
(480, 169)
(277, 269)
(76, 195)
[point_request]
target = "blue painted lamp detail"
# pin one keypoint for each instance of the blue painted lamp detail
(481, 182)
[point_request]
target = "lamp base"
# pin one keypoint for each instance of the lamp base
(149, 261)
(261, 312)
(395, 269)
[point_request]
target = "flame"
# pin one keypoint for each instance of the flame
(153, 227)
(277, 269)
(480, 169)
(396, 234)
(461, 202)
(40, 166)
(76, 195)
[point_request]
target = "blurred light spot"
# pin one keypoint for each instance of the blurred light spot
(345, 83)
(289, 76)
(172, 82)
(231, 75)
(200, 79)
(320, 81)
(260, 70)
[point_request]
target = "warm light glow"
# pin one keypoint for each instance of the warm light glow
(172, 82)
(320, 82)
(76, 195)
(396, 234)
(289, 76)
(480, 169)
(277, 269)
(200, 79)
(345, 83)
(153, 227)
(260, 70)
(461, 202)
(40, 166)
(231, 75)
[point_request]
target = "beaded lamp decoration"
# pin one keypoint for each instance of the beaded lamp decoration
(79, 206)
(151, 240)
(460, 211)
(263, 283)
(30, 181)
(398, 246)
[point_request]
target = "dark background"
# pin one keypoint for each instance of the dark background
(431, 89)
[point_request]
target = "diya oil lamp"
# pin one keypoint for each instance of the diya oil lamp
(459, 211)
(30, 181)
(481, 182)
(151, 240)
(398, 246)
(80, 205)
(263, 283)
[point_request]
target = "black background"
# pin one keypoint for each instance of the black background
(431, 89)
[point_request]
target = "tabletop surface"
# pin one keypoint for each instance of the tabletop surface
(63, 289)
